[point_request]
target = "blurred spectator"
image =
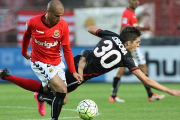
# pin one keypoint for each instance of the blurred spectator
(106, 3)
(117, 3)
(13, 4)
(40, 2)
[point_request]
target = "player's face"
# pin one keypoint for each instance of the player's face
(131, 46)
(134, 4)
(55, 16)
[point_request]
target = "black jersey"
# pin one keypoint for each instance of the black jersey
(107, 55)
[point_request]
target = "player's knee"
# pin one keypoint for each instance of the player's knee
(65, 101)
(62, 89)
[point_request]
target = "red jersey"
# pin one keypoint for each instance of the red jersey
(47, 41)
(129, 18)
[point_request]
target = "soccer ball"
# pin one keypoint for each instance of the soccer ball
(87, 109)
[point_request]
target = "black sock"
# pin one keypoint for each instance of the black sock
(48, 98)
(148, 89)
(57, 105)
(116, 83)
(41, 89)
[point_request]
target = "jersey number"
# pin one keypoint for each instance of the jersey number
(106, 53)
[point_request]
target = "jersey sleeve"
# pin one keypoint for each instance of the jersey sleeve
(104, 33)
(26, 37)
(131, 64)
(125, 21)
(69, 58)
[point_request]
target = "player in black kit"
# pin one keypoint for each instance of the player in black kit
(111, 52)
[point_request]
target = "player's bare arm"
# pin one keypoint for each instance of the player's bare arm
(145, 28)
(152, 83)
(92, 29)
(70, 62)
(82, 63)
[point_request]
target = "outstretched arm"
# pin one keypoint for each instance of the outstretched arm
(93, 29)
(152, 83)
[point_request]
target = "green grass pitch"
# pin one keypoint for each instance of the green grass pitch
(19, 104)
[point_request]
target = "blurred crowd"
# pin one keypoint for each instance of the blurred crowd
(15, 5)
(68, 3)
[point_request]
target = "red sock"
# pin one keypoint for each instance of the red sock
(28, 84)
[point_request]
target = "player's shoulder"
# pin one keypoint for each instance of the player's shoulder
(34, 19)
(62, 21)
(127, 12)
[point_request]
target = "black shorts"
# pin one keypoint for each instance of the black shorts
(69, 77)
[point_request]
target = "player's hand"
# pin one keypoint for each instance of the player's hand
(174, 92)
(78, 77)
(148, 28)
(27, 56)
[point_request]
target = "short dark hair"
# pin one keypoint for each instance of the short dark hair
(129, 34)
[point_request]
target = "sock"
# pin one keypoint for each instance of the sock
(28, 84)
(148, 89)
(116, 83)
(48, 98)
(57, 105)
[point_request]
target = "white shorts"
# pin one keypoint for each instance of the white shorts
(46, 72)
(138, 56)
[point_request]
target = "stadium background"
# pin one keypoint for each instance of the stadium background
(161, 47)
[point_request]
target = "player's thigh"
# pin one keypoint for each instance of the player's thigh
(51, 74)
(58, 84)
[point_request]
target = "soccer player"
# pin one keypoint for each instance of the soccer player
(111, 52)
(49, 32)
(129, 19)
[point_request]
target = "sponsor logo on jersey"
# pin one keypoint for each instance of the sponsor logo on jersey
(42, 32)
(56, 34)
(47, 45)
(119, 43)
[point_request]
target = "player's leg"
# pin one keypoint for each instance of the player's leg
(116, 84)
(28, 84)
(71, 86)
(142, 65)
(55, 77)
(60, 88)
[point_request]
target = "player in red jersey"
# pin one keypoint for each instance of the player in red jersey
(49, 32)
(129, 19)
(111, 52)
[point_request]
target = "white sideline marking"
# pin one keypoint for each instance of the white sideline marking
(22, 107)
(49, 118)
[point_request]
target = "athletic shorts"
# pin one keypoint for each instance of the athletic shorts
(138, 56)
(46, 72)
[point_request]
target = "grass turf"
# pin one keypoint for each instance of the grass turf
(19, 104)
